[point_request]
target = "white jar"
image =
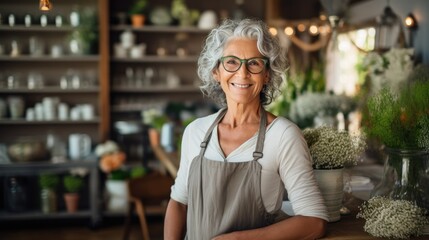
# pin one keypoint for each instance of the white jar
(127, 39)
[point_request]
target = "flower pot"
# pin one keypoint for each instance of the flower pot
(72, 202)
(405, 176)
(330, 182)
(137, 20)
(154, 137)
(117, 195)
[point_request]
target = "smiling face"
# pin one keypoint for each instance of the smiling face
(241, 87)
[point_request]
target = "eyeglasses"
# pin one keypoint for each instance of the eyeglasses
(253, 65)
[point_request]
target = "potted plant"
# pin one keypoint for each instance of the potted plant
(331, 151)
(138, 12)
(400, 122)
(48, 183)
(181, 12)
(111, 162)
(155, 119)
(72, 185)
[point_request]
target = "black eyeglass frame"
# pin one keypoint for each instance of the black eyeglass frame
(265, 60)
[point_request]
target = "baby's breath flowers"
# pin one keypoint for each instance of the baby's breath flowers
(390, 218)
(332, 149)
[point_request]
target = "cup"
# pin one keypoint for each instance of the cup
(56, 50)
(120, 51)
(36, 46)
(27, 20)
(87, 111)
(79, 146)
(138, 51)
(16, 106)
(63, 111)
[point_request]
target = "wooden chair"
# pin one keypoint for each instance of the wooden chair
(148, 195)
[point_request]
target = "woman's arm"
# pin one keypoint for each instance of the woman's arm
(297, 227)
(175, 221)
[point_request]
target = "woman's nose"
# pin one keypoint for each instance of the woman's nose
(242, 71)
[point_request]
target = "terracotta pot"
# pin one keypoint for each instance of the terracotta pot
(154, 137)
(137, 20)
(72, 202)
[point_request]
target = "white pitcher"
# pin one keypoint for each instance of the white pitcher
(79, 146)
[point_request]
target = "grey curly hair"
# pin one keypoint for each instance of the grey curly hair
(267, 45)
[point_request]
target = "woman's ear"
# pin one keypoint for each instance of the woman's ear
(215, 74)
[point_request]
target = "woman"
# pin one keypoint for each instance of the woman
(231, 181)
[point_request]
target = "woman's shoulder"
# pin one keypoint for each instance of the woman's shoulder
(202, 123)
(282, 123)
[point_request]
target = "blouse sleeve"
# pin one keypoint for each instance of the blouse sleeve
(296, 172)
(179, 191)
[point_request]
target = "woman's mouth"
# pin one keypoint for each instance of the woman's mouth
(241, 85)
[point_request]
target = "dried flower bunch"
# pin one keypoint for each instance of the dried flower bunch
(333, 149)
(390, 69)
(111, 159)
(390, 218)
(310, 104)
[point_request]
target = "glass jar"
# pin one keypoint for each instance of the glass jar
(16, 195)
(48, 200)
(405, 176)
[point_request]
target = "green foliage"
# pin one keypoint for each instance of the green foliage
(310, 80)
(400, 120)
(72, 183)
(139, 171)
(139, 7)
(48, 181)
(119, 174)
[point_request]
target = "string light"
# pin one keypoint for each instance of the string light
(289, 31)
(45, 5)
(314, 30)
(273, 31)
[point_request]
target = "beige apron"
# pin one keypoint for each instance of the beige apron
(225, 196)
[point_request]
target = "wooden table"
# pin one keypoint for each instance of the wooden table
(351, 228)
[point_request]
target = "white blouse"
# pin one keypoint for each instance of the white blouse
(286, 162)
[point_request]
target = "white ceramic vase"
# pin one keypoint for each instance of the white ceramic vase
(117, 195)
(331, 186)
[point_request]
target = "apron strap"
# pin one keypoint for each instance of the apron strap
(258, 153)
(208, 135)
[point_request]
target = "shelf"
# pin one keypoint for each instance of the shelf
(156, 89)
(39, 215)
(37, 167)
(166, 29)
(56, 122)
(23, 28)
(47, 58)
(157, 59)
(50, 90)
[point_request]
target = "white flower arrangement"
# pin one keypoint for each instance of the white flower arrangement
(333, 149)
(310, 104)
(106, 148)
(390, 69)
(390, 218)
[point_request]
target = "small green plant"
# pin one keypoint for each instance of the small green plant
(72, 183)
(119, 174)
(48, 181)
(139, 171)
(400, 120)
(139, 7)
